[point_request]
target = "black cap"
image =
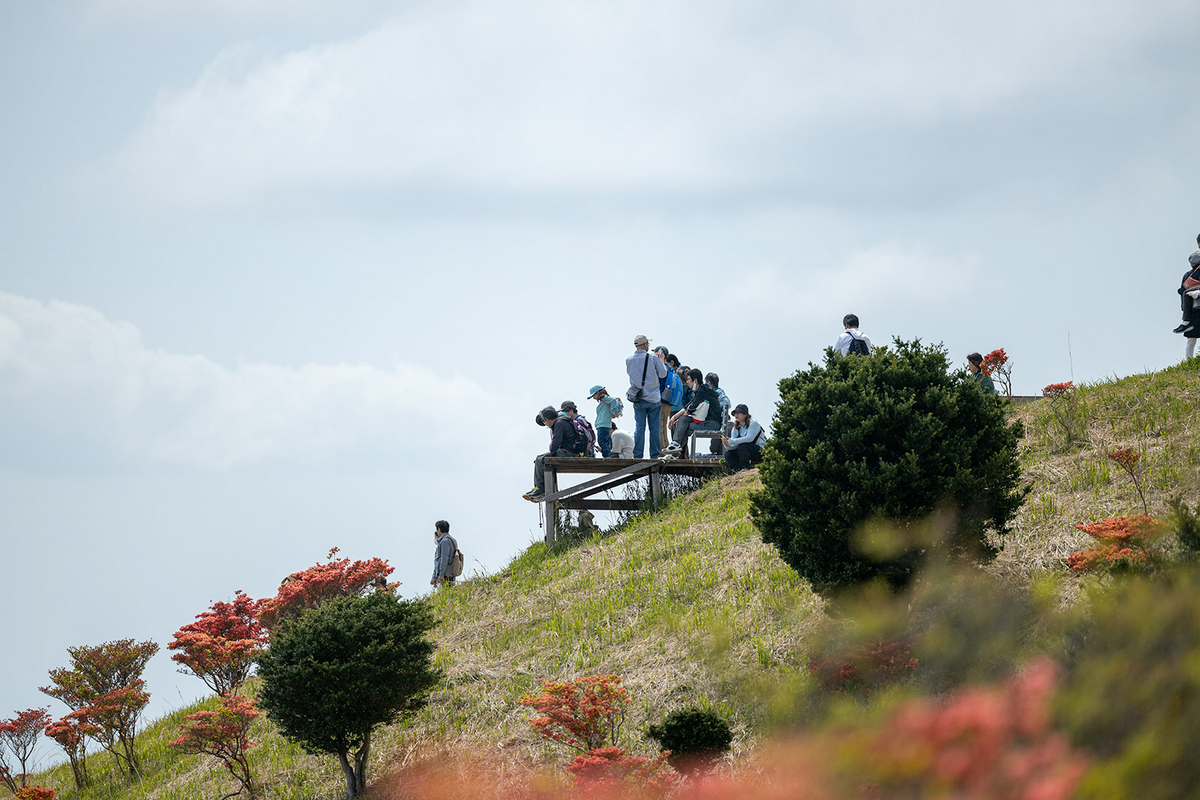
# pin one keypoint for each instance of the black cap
(740, 408)
(567, 405)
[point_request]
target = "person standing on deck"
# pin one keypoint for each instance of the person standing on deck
(607, 407)
(645, 371)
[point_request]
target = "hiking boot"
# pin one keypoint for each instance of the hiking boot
(1184, 327)
(534, 495)
(672, 447)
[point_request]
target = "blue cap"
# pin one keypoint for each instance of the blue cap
(594, 389)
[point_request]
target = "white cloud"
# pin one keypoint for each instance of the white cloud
(538, 96)
(69, 373)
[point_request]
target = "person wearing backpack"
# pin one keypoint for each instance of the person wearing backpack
(607, 409)
(585, 443)
(703, 413)
(852, 342)
(670, 388)
(712, 379)
(745, 442)
(564, 443)
(1189, 300)
(447, 558)
(644, 371)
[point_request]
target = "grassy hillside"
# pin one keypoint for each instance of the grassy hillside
(690, 606)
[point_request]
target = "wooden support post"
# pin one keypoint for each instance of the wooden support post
(655, 486)
(551, 475)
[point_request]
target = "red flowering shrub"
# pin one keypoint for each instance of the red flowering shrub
(71, 733)
(1064, 408)
(997, 365)
(1128, 545)
(864, 669)
(219, 647)
(311, 587)
(225, 735)
(1057, 390)
(20, 734)
(1127, 459)
(36, 793)
(104, 686)
(609, 770)
(993, 742)
(585, 714)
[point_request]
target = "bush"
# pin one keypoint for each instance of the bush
(696, 737)
(892, 435)
(1187, 525)
(335, 673)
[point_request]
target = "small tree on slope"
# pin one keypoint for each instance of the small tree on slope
(892, 435)
(21, 735)
(219, 647)
(335, 673)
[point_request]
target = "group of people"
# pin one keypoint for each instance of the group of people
(670, 402)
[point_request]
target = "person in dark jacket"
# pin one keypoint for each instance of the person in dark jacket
(704, 406)
(745, 443)
(564, 441)
(975, 373)
(1188, 298)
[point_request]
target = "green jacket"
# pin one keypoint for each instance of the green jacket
(984, 381)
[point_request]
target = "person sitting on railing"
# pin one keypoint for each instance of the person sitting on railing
(564, 442)
(746, 441)
(703, 413)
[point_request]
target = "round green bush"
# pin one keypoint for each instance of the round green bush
(696, 737)
(892, 436)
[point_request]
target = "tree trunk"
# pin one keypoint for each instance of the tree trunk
(360, 764)
(351, 778)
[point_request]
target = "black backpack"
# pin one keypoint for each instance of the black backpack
(857, 347)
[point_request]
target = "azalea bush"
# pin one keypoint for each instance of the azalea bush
(309, 588)
(1064, 409)
(105, 687)
(586, 715)
(71, 734)
(225, 735)
(20, 735)
(36, 793)
(219, 647)
(998, 366)
(863, 669)
(1128, 544)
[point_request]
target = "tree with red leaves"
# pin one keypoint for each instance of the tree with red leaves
(71, 733)
(219, 647)
(225, 735)
(20, 734)
(104, 685)
(997, 365)
(1127, 545)
(313, 586)
(36, 793)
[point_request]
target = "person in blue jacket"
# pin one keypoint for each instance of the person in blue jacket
(745, 442)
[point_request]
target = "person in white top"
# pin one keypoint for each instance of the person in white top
(622, 443)
(852, 341)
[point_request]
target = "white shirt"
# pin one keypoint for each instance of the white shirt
(842, 345)
(622, 444)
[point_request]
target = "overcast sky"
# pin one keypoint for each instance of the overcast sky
(281, 276)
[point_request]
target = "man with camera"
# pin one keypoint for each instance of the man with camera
(645, 371)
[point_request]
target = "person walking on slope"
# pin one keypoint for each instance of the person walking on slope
(746, 442)
(852, 342)
(975, 372)
(1189, 298)
(564, 443)
(645, 371)
(443, 553)
(607, 407)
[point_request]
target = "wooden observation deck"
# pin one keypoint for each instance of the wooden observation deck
(613, 472)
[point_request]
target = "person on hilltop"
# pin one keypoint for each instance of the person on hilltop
(622, 443)
(975, 372)
(852, 341)
(714, 380)
(744, 445)
(670, 388)
(703, 413)
(645, 371)
(1189, 301)
(564, 443)
(607, 409)
(585, 443)
(443, 554)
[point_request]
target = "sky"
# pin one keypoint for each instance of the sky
(277, 277)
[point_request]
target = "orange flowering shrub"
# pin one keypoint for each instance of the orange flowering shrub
(36, 793)
(997, 365)
(223, 734)
(313, 586)
(1127, 545)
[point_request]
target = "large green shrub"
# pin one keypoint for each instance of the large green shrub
(330, 677)
(893, 435)
(696, 737)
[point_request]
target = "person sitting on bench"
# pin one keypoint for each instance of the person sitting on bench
(564, 441)
(745, 442)
(702, 413)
